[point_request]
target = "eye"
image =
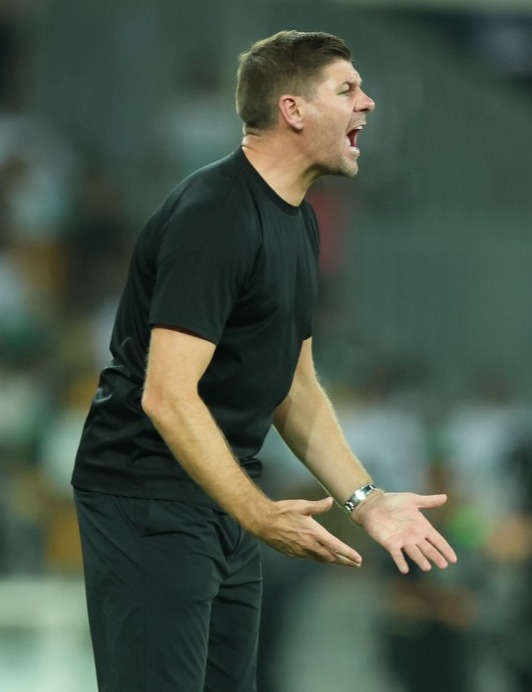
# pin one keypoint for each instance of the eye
(347, 90)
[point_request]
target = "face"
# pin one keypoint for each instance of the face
(334, 116)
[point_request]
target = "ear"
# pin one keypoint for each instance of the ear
(290, 108)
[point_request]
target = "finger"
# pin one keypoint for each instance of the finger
(344, 554)
(400, 561)
(323, 547)
(308, 552)
(337, 547)
(415, 553)
(342, 560)
(439, 542)
(319, 553)
(434, 555)
(317, 506)
(348, 555)
(318, 556)
(431, 501)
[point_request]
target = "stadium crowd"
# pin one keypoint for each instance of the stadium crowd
(65, 237)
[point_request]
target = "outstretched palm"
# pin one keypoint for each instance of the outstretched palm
(395, 521)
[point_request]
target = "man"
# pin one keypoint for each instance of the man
(220, 291)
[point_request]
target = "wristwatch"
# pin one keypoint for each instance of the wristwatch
(359, 496)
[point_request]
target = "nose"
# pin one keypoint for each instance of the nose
(364, 104)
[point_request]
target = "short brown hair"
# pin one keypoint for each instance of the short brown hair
(289, 61)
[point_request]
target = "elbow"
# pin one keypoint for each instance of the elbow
(156, 408)
(165, 406)
(151, 404)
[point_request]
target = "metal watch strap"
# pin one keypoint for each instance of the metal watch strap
(359, 496)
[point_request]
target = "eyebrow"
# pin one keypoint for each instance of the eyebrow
(352, 83)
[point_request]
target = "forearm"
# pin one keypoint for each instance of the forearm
(307, 423)
(194, 438)
(176, 363)
(288, 526)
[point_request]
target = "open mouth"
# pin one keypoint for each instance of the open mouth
(352, 136)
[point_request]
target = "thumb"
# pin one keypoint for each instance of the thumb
(430, 501)
(319, 506)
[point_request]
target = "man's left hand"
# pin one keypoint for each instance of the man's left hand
(395, 521)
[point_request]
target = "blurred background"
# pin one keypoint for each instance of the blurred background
(423, 332)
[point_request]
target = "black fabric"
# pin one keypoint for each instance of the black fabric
(173, 595)
(226, 258)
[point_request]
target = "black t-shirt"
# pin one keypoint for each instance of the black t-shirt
(227, 259)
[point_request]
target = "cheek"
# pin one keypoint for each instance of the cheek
(328, 130)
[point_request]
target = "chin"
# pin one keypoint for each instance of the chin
(344, 168)
(348, 170)
(347, 166)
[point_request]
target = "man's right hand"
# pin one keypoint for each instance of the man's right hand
(291, 529)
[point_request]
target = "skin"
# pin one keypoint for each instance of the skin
(310, 140)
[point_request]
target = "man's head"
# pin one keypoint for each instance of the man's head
(289, 61)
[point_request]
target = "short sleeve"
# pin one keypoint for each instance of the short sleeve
(205, 254)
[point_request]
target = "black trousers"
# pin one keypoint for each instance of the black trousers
(173, 594)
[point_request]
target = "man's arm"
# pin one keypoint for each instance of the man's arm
(308, 424)
(176, 363)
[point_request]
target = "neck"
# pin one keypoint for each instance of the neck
(282, 166)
